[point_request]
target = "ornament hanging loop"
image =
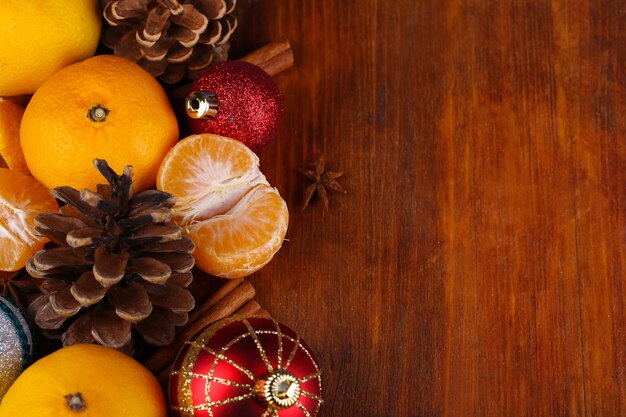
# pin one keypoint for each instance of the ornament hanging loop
(202, 105)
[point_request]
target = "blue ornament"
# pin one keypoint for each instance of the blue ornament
(16, 343)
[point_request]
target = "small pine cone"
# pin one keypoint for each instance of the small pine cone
(171, 39)
(119, 264)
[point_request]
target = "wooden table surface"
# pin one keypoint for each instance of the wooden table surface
(477, 265)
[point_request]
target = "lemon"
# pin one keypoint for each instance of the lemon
(39, 37)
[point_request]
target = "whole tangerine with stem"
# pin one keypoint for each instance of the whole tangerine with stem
(85, 380)
(105, 107)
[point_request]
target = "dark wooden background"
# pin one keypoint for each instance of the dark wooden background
(477, 265)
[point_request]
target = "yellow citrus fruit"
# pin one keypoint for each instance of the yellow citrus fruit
(10, 150)
(21, 199)
(89, 380)
(39, 37)
(235, 218)
(104, 107)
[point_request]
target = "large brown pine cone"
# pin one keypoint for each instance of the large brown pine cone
(119, 264)
(171, 39)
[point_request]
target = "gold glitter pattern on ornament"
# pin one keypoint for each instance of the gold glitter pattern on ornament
(208, 406)
(231, 383)
(304, 410)
(279, 334)
(293, 353)
(312, 396)
(310, 377)
(186, 374)
(257, 342)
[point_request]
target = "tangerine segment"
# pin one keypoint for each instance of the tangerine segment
(208, 174)
(21, 199)
(245, 238)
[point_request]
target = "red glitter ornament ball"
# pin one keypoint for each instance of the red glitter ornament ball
(249, 104)
(254, 367)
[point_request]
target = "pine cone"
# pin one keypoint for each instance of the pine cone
(169, 38)
(119, 264)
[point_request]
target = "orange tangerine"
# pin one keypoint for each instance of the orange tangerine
(21, 199)
(85, 380)
(11, 112)
(235, 218)
(39, 37)
(105, 107)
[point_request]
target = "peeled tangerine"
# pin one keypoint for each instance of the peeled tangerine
(235, 218)
(21, 198)
(85, 380)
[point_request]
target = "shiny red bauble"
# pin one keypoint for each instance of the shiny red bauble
(246, 368)
(249, 105)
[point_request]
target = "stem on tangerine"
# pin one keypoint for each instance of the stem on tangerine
(98, 113)
(75, 402)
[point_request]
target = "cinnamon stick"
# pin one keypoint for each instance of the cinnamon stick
(222, 291)
(274, 58)
(262, 313)
(249, 309)
(223, 308)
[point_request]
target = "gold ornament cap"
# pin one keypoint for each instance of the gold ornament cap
(202, 105)
(279, 389)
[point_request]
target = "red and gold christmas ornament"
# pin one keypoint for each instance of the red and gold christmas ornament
(253, 367)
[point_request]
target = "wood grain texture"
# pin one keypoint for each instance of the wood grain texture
(477, 265)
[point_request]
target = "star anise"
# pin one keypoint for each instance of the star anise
(323, 181)
(16, 285)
